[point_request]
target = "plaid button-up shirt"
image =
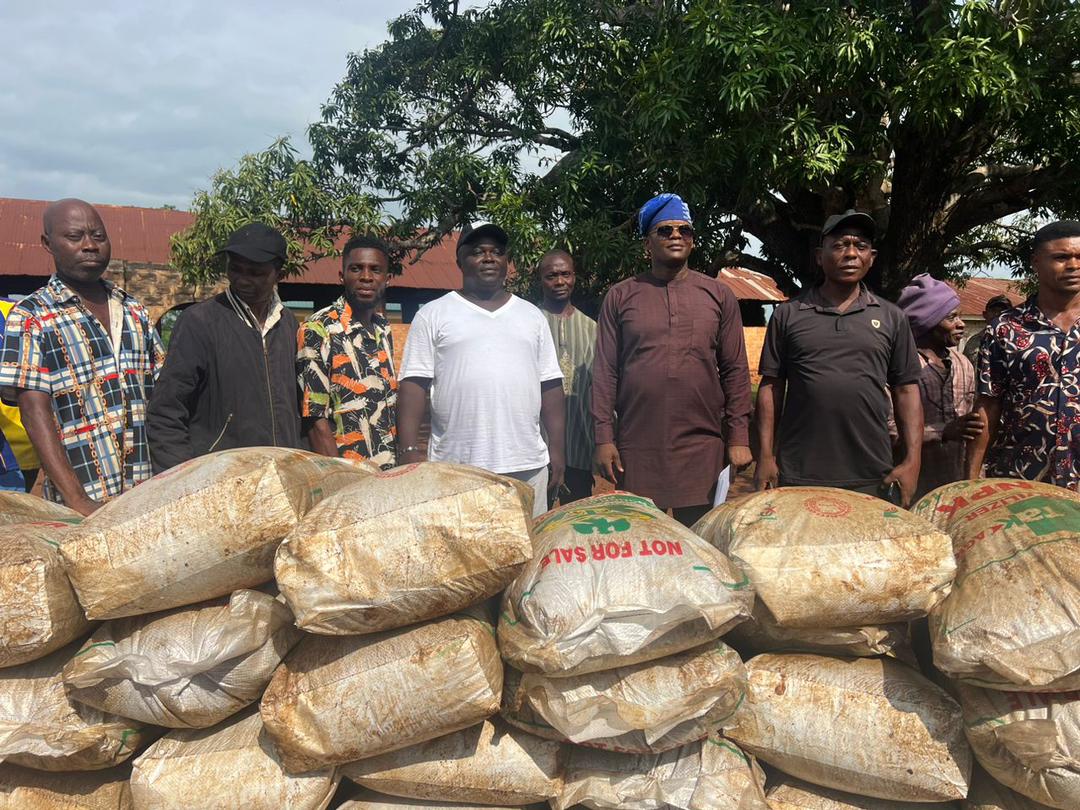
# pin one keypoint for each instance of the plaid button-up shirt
(54, 345)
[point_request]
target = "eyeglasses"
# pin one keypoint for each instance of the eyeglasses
(667, 231)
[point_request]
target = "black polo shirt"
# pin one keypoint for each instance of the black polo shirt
(834, 426)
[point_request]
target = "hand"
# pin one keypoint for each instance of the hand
(964, 428)
(608, 460)
(766, 474)
(739, 456)
(907, 476)
(85, 506)
(556, 474)
(412, 457)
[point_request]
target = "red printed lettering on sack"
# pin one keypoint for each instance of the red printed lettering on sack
(1023, 701)
(603, 552)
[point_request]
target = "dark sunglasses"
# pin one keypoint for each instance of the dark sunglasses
(666, 231)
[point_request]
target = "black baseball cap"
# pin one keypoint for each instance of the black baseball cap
(850, 217)
(475, 230)
(257, 243)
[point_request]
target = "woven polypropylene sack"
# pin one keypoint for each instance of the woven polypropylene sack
(762, 634)
(822, 557)
(1012, 620)
(40, 727)
(19, 507)
(39, 612)
(489, 763)
(198, 531)
(188, 667)
(869, 726)
(644, 708)
(228, 767)
(711, 774)
(336, 699)
(403, 546)
(989, 794)
(27, 789)
(371, 800)
(613, 582)
(1028, 741)
(788, 793)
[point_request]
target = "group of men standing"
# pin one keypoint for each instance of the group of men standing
(856, 392)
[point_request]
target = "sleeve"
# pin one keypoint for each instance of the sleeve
(168, 416)
(773, 362)
(605, 370)
(547, 359)
(734, 370)
(993, 368)
(313, 363)
(22, 361)
(419, 355)
(904, 366)
(156, 348)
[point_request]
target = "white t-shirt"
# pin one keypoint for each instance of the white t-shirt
(486, 369)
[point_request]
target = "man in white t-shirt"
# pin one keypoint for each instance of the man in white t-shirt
(488, 359)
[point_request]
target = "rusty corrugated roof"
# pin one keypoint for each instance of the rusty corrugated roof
(141, 235)
(751, 286)
(137, 235)
(977, 291)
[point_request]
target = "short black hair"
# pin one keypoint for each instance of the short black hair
(557, 253)
(364, 240)
(1063, 229)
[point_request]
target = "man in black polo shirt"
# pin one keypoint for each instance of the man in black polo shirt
(832, 351)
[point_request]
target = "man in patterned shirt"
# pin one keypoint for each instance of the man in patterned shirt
(574, 334)
(1029, 373)
(80, 358)
(345, 363)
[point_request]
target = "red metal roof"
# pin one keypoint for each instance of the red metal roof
(436, 270)
(751, 286)
(977, 291)
(137, 235)
(141, 235)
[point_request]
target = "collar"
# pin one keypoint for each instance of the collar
(1033, 318)
(379, 323)
(245, 314)
(57, 292)
(812, 299)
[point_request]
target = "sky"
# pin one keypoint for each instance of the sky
(138, 103)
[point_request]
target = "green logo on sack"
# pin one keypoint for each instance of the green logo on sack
(602, 526)
(1044, 515)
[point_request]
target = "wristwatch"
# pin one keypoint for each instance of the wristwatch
(411, 448)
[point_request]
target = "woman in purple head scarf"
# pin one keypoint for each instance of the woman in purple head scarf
(947, 384)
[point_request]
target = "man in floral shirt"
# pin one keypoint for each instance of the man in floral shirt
(345, 363)
(1029, 373)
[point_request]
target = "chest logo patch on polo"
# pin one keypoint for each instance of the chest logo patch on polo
(876, 323)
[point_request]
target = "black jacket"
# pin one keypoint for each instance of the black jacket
(221, 387)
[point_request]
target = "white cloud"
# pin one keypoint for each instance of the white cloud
(138, 103)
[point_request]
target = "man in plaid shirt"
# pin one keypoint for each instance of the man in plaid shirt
(79, 358)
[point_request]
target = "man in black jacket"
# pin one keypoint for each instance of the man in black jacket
(229, 378)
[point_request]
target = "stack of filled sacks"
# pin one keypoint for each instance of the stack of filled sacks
(399, 675)
(838, 575)
(1009, 634)
(835, 572)
(186, 544)
(612, 636)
